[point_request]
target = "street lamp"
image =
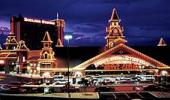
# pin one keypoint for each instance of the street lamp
(68, 38)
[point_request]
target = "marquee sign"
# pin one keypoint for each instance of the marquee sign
(38, 21)
(120, 66)
(122, 59)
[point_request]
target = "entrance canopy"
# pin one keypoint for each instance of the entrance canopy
(121, 56)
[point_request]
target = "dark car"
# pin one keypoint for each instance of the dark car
(154, 88)
(12, 87)
(70, 88)
(104, 89)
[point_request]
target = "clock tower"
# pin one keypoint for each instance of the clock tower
(114, 31)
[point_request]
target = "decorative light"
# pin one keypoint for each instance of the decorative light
(38, 68)
(78, 73)
(164, 73)
(31, 64)
(46, 75)
(28, 68)
(2, 62)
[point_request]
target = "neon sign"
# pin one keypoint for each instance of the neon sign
(38, 21)
(120, 66)
(121, 60)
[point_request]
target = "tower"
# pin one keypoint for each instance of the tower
(11, 42)
(161, 42)
(114, 31)
(47, 59)
(47, 52)
(60, 31)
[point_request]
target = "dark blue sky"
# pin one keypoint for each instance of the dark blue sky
(144, 21)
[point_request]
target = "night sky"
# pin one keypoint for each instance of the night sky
(144, 21)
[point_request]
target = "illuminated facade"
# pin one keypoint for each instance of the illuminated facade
(25, 28)
(116, 59)
(45, 61)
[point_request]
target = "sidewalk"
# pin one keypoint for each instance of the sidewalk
(82, 95)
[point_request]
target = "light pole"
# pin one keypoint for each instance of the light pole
(68, 38)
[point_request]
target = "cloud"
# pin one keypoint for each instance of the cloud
(146, 20)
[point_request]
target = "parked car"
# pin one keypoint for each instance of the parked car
(104, 89)
(60, 83)
(145, 77)
(12, 87)
(58, 77)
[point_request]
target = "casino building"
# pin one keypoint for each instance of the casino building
(120, 58)
(117, 58)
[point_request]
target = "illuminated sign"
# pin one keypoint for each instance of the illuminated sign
(121, 60)
(120, 66)
(2, 62)
(38, 21)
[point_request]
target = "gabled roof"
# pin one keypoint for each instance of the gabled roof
(85, 64)
(46, 37)
(21, 46)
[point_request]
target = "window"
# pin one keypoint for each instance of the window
(46, 56)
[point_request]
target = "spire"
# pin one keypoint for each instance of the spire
(57, 16)
(161, 42)
(114, 16)
(46, 37)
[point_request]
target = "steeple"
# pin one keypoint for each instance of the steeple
(114, 16)
(47, 59)
(161, 42)
(114, 31)
(46, 40)
(46, 37)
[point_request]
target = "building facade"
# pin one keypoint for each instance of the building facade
(31, 30)
(118, 58)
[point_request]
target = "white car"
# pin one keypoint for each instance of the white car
(58, 77)
(146, 77)
(59, 83)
